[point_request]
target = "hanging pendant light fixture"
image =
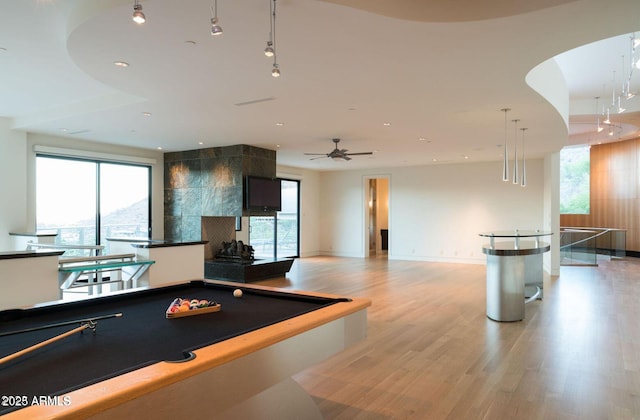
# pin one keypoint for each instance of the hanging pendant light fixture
(138, 17)
(523, 180)
(505, 160)
(268, 51)
(515, 154)
(275, 72)
(215, 28)
(599, 127)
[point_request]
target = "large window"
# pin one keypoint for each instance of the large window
(575, 167)
(88, 201)
(278, 237)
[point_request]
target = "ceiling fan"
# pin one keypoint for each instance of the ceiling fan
(337, 153)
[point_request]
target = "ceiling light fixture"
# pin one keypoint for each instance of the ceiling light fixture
(215, 28)
(268, 51)
(505, 161)
(523, 181)
(138, 17)
(599, 127)
(516, 181)
(121, 64)
(275, 72)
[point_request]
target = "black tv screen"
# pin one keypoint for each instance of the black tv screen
(263, 194)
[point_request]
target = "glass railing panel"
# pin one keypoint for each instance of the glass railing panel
(578, 247)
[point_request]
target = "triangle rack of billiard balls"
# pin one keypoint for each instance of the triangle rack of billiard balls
(188, 307)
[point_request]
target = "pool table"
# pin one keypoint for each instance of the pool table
(226, 364)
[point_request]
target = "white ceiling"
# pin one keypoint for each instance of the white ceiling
(438, 70)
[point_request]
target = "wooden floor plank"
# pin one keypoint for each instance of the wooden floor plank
(431, 352)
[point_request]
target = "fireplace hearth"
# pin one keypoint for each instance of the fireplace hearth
(227, 258)
(235, 250)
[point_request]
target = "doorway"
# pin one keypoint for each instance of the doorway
(376, 241)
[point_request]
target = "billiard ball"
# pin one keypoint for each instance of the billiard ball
(237, 293)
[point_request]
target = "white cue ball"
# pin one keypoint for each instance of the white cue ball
(237, 293)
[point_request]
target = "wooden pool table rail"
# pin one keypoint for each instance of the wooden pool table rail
(103, 397)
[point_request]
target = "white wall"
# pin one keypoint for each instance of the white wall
(435, 212)
(13, 183)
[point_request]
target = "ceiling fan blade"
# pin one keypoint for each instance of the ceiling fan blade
(361, 153)
(316, 154)
(319, 157)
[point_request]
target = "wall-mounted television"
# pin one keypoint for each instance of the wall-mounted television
(263, 194)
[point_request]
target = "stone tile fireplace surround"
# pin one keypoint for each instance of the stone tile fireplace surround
(208, 183)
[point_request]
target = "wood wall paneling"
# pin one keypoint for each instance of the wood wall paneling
(615, 184)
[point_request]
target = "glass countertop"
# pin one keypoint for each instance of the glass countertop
(515, 234)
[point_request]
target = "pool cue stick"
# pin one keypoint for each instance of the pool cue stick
(45, 343)
(60, 324)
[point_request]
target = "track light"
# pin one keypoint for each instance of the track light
(215, 28)
(269, 50)
(138, 17)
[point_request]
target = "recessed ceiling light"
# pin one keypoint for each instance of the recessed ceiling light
(387, 124)
(159, 147)
(277, 146)
(422, 138)
(121, 64)
(279, 124)
(146, 114)
(200, 143)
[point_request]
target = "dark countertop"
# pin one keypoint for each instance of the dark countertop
(35, 234)
(9, 255)
(155, 243)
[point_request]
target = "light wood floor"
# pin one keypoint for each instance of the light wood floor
(431, 352)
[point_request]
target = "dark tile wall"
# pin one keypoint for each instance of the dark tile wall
(208, 182)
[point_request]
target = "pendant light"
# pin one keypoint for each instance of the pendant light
(275, 72)
(505, 160)
(268, 51)
(599, 128)
(523, 181)
(215, 28)
(138, 17)
(516, 181)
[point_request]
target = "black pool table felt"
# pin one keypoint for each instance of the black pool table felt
(142, 336)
